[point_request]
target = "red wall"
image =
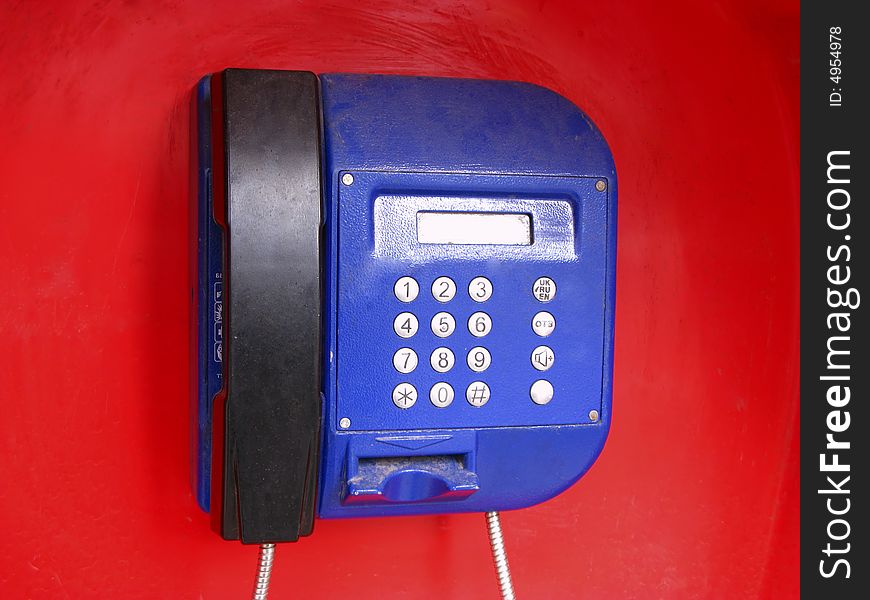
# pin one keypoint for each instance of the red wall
(695, 495)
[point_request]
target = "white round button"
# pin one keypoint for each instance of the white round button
(406, 289)
(443, 289)
(405, 325)
(541, 392)
(477, 393)
(480, 289)
(543, 323)
(404, 395)
(479, 324)
(442, 359)
(405, 360)
(544, 289)
(443, 324)
(478, 359)
(441, 394)
(542, 358)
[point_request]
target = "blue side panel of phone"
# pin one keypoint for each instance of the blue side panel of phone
(209, 320)
(416, 144)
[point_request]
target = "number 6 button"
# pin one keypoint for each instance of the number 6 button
(479, 324)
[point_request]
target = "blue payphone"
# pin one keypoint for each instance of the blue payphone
(404, 297)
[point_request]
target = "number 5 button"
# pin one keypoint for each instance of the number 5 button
(443, 324)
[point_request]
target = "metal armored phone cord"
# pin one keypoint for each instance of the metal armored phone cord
(264, 571)
(496, 542)
(499, 556)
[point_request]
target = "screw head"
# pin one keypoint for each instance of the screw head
(344, 423)
(593, 415)
(347, 179)
(600, 185)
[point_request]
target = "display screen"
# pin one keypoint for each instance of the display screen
(495, 229)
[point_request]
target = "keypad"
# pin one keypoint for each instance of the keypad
(443, 358)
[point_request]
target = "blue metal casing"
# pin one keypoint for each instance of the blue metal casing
(415, 144)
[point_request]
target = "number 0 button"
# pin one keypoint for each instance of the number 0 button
(405, 325)
(406, 289)
(442, 359)
(480, 289)
(443, 289)
(441, 394)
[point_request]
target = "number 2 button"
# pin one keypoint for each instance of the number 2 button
(443, 289)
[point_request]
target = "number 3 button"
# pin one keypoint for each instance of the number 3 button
(480, 289)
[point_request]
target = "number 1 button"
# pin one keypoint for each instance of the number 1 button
(406, 289)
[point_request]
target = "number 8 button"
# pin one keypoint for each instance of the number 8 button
(442, 359)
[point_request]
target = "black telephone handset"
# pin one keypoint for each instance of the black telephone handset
(272, 337)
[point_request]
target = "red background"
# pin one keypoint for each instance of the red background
(695, 495)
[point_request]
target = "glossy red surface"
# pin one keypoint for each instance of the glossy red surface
(695, 495)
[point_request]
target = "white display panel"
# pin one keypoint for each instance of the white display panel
(494, 229)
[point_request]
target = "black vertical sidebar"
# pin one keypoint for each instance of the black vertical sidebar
(835, 59)
(273, 304)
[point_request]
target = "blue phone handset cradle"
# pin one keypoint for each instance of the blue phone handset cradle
(404, 297)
